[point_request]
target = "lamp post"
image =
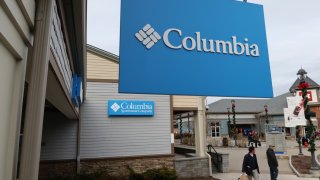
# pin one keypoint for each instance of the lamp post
(229, 122)
(298, 137)
(307, 113)
(298, 130)
(233, 103)
(266, 111)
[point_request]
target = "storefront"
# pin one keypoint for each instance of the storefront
(113, 132)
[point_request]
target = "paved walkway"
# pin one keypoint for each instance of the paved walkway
(235, 176)
(236, 158)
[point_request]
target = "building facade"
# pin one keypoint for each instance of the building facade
(42, 45)
(251, 115)
(140, 142)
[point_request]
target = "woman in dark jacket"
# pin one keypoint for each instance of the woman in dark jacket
(250, 165)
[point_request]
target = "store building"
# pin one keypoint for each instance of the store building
(251, 115)
(313, 93)
(42, 45)
(246, 116)
(114, 142)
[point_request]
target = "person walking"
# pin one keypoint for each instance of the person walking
(249, 138)
(250, 165)
(272, 162)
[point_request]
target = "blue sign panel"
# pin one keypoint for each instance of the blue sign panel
(130, 108)
(203, 47)
(76, 93)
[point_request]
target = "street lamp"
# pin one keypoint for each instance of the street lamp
(229, 122)
(298, 128)
(266, 110)
(302, 74)
(233, 103)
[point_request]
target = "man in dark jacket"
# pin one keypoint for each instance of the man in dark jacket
(250, 165)
(272, 162)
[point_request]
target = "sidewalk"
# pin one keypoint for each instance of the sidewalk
(236, 157)
(235, 176)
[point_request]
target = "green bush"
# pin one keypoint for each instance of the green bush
(154, 174)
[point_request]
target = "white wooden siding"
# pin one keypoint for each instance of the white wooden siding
(59, 137)
(10, 37)
(101, 68)
(18, 19)
(58, 49)
(15, 37)
(28, 8)
(103, 136)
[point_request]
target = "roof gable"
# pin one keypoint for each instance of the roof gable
(102, 53)
(311, 83)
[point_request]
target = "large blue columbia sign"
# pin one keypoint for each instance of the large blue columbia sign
(203, 47)
(130, 108)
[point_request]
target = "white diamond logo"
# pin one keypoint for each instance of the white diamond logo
(115, 107)
(148, 36)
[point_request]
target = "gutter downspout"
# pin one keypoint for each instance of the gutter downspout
(205, 134)
(78, 145)
(210, 165)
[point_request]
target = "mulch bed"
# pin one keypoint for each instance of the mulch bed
(302, 164)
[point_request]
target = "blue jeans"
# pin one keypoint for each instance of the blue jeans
(273, 173)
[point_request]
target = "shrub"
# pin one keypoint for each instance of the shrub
(154, 174)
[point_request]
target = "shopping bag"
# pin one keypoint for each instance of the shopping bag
(243, 177)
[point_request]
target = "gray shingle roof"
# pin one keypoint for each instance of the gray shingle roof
(103, 53)
(276, 104)
(256, 106)
(242, 105)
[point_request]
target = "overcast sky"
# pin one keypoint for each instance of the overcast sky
(293, 32)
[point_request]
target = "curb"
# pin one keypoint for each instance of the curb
(317, 160)
(297, 173)
(291, 166)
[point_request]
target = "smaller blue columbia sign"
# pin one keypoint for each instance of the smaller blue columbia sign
(130, 108)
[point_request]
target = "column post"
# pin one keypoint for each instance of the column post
(31, 145)
(200, 129)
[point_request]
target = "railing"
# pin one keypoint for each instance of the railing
(216, 158)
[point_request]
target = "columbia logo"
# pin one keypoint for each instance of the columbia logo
(148, 36)
(115, 107)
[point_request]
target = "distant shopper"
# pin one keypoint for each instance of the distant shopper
(250, 165)
(255, 138)
(272, 162)
(249, 138)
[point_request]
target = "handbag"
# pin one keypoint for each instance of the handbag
(259, 143)
(243, 177)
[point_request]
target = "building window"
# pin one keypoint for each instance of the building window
(215, 129)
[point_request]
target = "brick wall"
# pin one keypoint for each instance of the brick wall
(225, 163)
(113, 166)
(49, 169)
(120, 166)
(192, 167)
